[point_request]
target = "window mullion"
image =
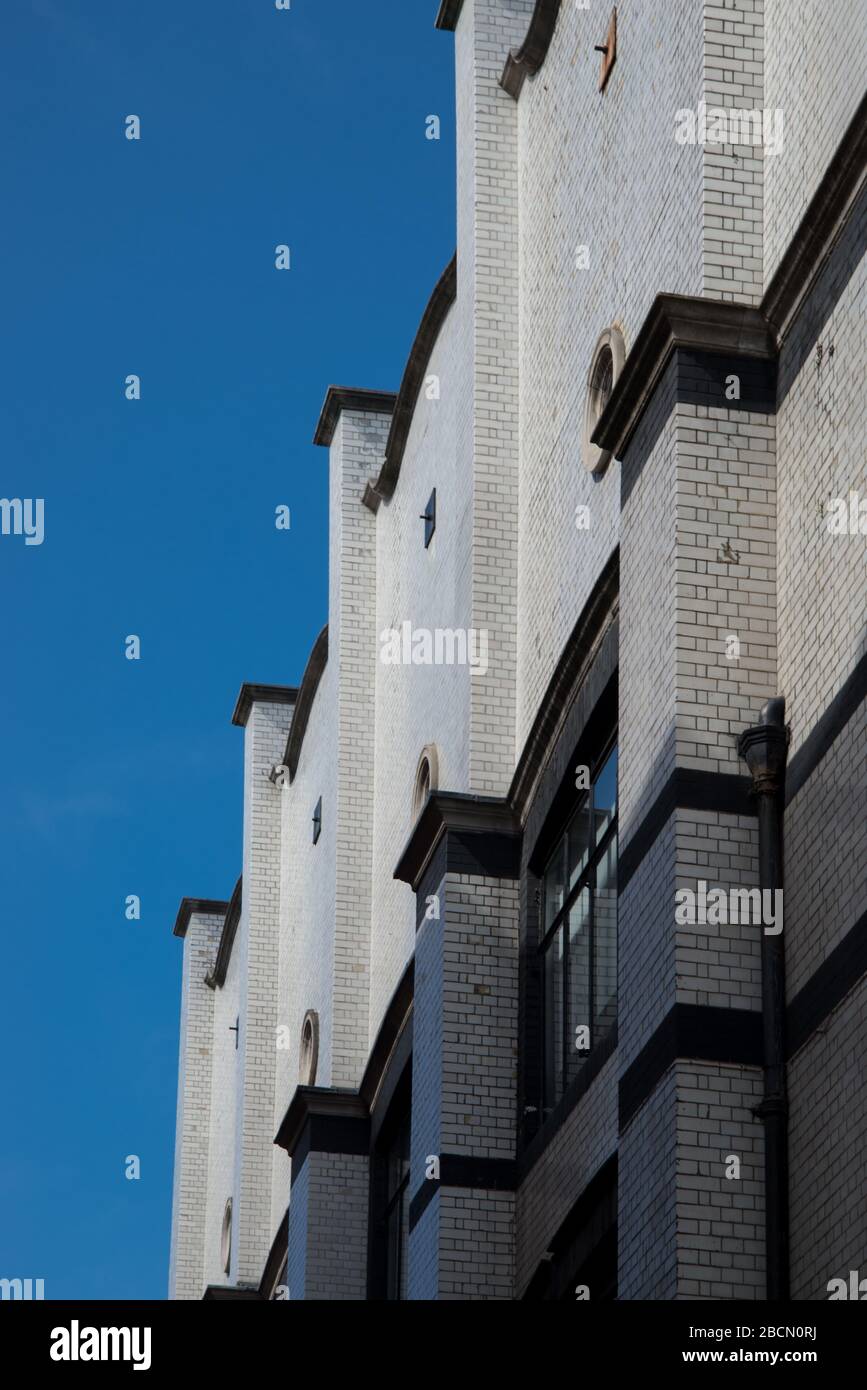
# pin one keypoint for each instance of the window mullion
(552, 930)
(566, 961)
(591, 984)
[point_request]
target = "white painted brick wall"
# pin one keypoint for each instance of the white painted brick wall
(226, 1078)
(307, 891)
(726, 497)
(720, 1219)
(356, 455)
(488, 257)
(733, 173)
(816, 73)
(822, 425)
(418, 705)
(602, 171)
(325, 889)
(647, 681)
(192, 1136)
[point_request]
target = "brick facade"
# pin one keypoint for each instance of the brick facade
(670, 594)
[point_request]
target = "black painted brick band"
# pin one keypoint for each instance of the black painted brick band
(690, 1032)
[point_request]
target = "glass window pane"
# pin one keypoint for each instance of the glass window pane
(553, 887)
(605, 943)
(398, 1159)
(395, 1252)
(404, 1241)
(605, 794)
(554, 1020)
(397, 1212)
(578, 985)
(578, 841)
(580, 962)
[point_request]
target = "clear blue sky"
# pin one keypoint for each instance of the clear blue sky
(156, 257)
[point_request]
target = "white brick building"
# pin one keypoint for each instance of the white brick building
(450, 1021)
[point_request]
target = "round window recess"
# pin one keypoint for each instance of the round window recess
(226, 1237)
(309, 1054)
(422, 786)
(425, 778)
(606, 366)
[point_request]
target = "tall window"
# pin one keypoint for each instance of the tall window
(579, 933)
(390, 1197)
(397, 1212)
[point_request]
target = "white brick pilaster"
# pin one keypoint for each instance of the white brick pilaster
(258, 932)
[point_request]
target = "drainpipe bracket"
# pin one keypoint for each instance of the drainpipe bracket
(771, 1107)
(764, 748)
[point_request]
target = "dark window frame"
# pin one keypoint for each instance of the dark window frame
(589, 726)
(395, 1215)
(553, 1089)
(381, 1273)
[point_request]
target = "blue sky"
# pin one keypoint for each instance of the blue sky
(156, 257)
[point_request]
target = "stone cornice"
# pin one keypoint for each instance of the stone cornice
(335, 1106)
(261, 694)
(217, 976)
(371, 498)
(317, 1102)
(433, 318)
(220, 1293)
(306, 694)
(449, 14)
(452, 811)
(677, 321)
(340, 398)
(821, 227)
(204, 907)
(526, 61)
